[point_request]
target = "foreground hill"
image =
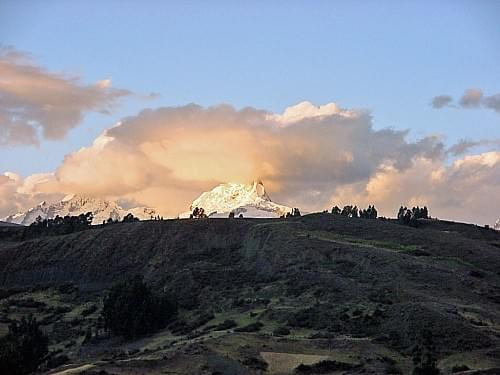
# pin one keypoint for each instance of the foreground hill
(357, 291)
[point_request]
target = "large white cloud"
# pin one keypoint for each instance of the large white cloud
(36, 103)
(310, 157)
(466, 190)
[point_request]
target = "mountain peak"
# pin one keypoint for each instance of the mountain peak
(76, 204)
(251, 200)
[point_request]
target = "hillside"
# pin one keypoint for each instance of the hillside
(357, 291)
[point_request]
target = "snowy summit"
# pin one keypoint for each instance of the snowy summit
(249, 200)
(74, 205)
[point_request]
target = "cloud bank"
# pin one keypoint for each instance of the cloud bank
(310, 157)
(37, 104)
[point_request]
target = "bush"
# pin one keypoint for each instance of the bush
(424, 357)
(323, 367)
(24, 347)
(281, 331)
(226, 324)
(132, 310)
(89, 310)
(255, 363)
(57, 360)
(460, 368)
(252, 327)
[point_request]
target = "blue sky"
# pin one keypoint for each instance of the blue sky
(389, 57)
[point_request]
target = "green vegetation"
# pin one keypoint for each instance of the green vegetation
(131, 309)
(389, 245)
(257, 295)
(410, 217)
(323, 367)
(198, 213)
(424, 357)
(24, 347)
(59, 225)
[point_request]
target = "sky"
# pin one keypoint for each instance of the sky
(426, 73)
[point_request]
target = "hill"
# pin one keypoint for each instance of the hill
(360, 292)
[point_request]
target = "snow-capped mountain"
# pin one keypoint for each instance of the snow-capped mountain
(249, 200)
(497, 225)
(75, 205)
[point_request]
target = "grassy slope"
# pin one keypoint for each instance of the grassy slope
(354, 290)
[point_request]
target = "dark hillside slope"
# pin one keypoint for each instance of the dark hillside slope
(323, 273)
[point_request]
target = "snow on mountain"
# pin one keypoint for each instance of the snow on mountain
(249, 200)
(497, 225)
(74, 205)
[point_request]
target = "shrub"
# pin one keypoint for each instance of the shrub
(459, 368)
(131, 310)
(129, 218)
(323, 367)
(89, 310)
(226, 324)
(255, 363)
(424, 358)
(252, 327)
(57, 360)
(23, 348)
(281, 331)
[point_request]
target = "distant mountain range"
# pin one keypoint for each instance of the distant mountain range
(74, 205)
(249, 200)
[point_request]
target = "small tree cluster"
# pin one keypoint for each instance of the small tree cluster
(61, 225)
(129, 218)
(24, 347)
(423, 355)
(198, 213)
(410, 217)
(131, 310)
(157, 218)
(350, 211)
(336, 210)
(295, 213)
(369, 213)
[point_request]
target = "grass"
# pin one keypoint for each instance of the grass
(474, 360)
(454, 261)
(348, 240)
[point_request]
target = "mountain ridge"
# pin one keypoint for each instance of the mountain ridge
(76, 204)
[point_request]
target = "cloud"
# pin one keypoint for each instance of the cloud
(309, 157)
(37, 104)
(471, 98)
(18, 193)
(441, 101)
(465, 190)
(463, 146)
(492, 102)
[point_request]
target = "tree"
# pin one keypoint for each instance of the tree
(424, 358)
(369, 213)
(131, 309)
(231, 215)
(410, 217)
(129, 218)
(24, 347)
(61, 225)
(198, 213)
(350, 211)
(336, 210)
